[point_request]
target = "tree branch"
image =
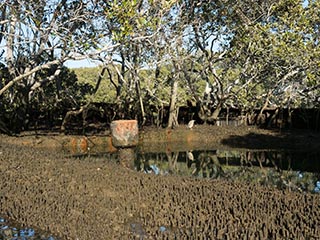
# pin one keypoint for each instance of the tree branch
(22, 76)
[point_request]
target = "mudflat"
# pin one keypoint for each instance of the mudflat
(93, 198)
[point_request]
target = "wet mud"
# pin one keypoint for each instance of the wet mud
(94, 198)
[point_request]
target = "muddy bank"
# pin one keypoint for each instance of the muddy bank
(248, 137)
(201, 137)
(98, 199)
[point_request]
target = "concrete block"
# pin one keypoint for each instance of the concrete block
(125, 133)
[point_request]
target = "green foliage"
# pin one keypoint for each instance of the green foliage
(281, 52)
(132, 18)
(90, 76)
(65, 92)
(253, 53)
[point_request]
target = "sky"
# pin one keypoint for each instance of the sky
(81, 63)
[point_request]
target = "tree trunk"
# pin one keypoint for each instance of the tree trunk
(206, 115)
(10, 45)
(69, 115)
(173, 116)
(138, 89)
(265, 105)
(215, 113)
(273, 118)
(99, 79)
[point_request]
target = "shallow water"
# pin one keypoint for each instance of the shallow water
(292, 170)
(11, 231)
(296, 171)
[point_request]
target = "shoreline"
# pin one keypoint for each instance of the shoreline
(180, 139)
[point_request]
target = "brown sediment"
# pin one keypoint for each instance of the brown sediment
(97, 199)
(201, 137)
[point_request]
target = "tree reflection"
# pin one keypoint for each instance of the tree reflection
(268, 168)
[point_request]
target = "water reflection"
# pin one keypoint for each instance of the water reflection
(295, 171)
(10, 231)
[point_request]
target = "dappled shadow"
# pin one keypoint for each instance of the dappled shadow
(286, 140)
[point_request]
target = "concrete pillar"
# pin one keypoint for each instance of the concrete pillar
(127, 157)
(124, 133)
